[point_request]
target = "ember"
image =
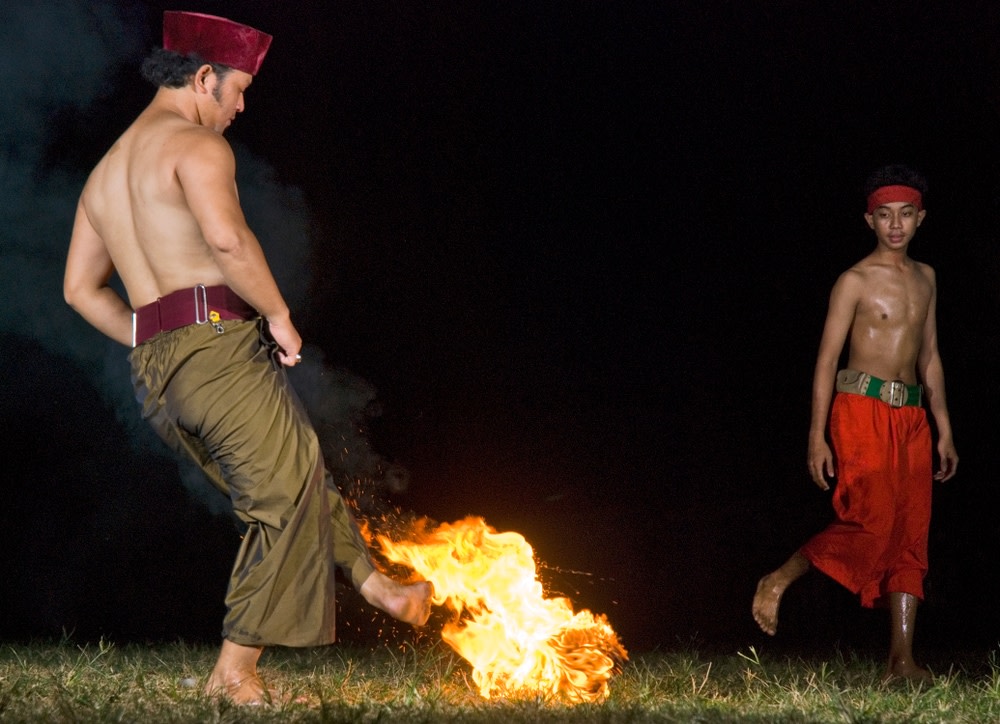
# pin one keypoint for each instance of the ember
(517, 640)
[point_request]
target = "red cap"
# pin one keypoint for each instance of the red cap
(215, 39)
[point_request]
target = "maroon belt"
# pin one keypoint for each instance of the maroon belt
(195, 305)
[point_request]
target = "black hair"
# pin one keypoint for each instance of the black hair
(169, 69)
(895, 174)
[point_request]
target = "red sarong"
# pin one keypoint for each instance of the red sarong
(878, 543)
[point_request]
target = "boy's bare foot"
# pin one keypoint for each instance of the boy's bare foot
(410, 604)
(766, 601)
(771, 587)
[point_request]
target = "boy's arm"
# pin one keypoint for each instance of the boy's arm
(839, 317)
(932, 375)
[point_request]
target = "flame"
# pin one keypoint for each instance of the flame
(517, 640)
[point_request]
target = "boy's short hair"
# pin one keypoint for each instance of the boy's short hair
(896, 174)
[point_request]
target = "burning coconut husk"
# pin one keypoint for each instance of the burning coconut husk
(517, 640)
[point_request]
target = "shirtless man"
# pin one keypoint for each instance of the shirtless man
(212, 334)
(877, 545)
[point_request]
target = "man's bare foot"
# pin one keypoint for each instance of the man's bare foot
(766, 601)
(248, 691)
(906, 670)
(410, 604)
(235, 676)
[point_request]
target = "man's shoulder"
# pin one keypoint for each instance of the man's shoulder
(169, 142)
(183, 134)
(193, 140)
(162, 134)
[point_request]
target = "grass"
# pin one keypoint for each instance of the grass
(65, 682)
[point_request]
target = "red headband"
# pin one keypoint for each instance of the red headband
(215, 39)
(887, 194)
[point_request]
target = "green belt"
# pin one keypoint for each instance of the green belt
(894, 393)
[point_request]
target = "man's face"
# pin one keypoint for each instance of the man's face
(227, 94)
(895, 223)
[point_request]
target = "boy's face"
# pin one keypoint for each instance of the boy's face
(895, 223)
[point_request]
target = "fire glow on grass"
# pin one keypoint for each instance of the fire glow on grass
(517, 640)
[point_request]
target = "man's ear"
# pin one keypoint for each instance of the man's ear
(920, 216)
(870, 220)
(200, 79)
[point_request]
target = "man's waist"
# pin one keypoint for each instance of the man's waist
(194, 305)
(894, 393)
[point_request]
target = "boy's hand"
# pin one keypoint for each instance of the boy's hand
(949, 461)
(821, 463)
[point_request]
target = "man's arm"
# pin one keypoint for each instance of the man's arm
(839, 317)
(207, 174)
(932, 375)
(85, 283)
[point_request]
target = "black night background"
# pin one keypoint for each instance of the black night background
(565, 264)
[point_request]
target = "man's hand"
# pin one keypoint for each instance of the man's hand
(820, 463)
(949, 460)
(288, 340)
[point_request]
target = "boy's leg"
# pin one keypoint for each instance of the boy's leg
(771, 587)
(903, 610)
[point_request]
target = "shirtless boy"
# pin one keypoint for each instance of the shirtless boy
(212, 334)
(877, 545)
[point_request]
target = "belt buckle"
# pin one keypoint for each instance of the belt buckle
(200, 313)
(897, 393)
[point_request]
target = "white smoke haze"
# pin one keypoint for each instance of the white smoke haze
(59, 58)
(53, 56)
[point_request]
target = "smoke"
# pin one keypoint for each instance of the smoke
(67, 69)
(55, 56)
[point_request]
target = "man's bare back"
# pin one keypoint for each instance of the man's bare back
(135, 202)
(161, 209)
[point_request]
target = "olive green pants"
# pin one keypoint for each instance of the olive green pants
(223, 400)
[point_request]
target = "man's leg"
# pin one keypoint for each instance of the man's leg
(771, 587)
(410, 604)
(903, 610)
(235, 675)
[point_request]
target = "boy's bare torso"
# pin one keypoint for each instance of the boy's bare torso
(135, 202)
(890, 317)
